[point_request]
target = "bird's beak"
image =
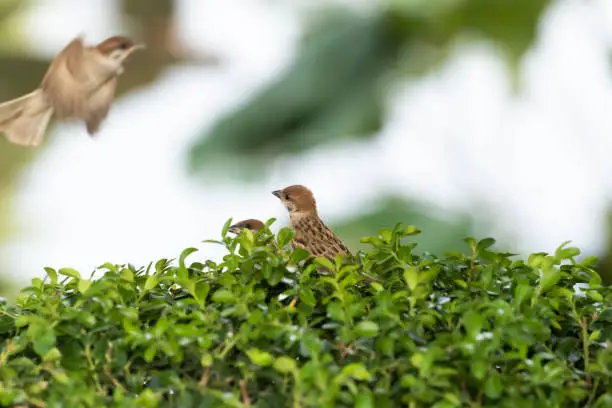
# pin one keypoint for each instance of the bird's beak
(277, 193)
(136, 47)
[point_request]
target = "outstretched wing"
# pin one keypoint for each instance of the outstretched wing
(63, 83)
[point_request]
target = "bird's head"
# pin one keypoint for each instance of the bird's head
(118, 48)
(253, 225)
(297, 199)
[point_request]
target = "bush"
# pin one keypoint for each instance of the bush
(264, 328)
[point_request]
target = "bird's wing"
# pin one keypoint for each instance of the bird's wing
(98, 105)
(314, 236)
(69, 59)
(64, 81)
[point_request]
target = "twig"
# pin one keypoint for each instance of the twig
(245, 395)
(205, 377)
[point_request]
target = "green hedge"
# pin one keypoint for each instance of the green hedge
(474, 329)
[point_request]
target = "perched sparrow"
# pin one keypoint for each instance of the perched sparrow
(79, 84)
(253, 225)
(310, 231)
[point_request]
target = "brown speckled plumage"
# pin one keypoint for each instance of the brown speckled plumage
(311, 233)
(314, 236)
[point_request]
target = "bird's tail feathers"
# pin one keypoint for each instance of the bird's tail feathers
(24, 120)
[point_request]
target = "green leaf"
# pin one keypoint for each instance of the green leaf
(550, 277)
(493, 386)
(151, 282)
(479, 369)
(247, 240)
(52, 355)
(285, 365)
(182, 270)
(566, 253)
(42, 336)
(201, 292)
(596, 296)
(299, 254)
(357, 371)
(269, 222)
(367, 329)
(411, 230)
(471, 243)
(52, 274)
(411, 276)
(589, 261)
(485, 243)
(386, 235)
(260, 358)
(72, 273)
(22, 321)
(147, 399)
(606, 315)
(595, 335)
(285, 235)
(223, 296)
(149, 353)
(473, 323)
(325, 263)
(311, 343)
(7, 324)
(83, 285)
(307, 296)
(377, 286)
(127, 275)
(364, 401)
(60, 377)
(225, 228)
(37, 283)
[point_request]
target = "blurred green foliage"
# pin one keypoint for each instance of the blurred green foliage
(337, 86)
(264, 329)
(441, 234)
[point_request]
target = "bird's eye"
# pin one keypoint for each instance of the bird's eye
(248, 226)
(286, 196)
(124, 46)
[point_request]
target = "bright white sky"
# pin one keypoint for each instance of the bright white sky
(458, 138)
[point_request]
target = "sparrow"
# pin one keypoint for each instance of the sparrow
(253, 225)
(78, 85)
(311, 233)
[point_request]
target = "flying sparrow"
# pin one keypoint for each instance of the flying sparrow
(310, 231)
(253, 225)
(79, 85)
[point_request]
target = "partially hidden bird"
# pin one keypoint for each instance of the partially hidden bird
(250, 224)
(310, 232)
(79, 84)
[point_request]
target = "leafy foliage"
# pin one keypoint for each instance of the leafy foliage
(440, 234)
(263, 328)
(336, 88)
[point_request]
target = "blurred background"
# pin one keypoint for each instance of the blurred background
(463, 117)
